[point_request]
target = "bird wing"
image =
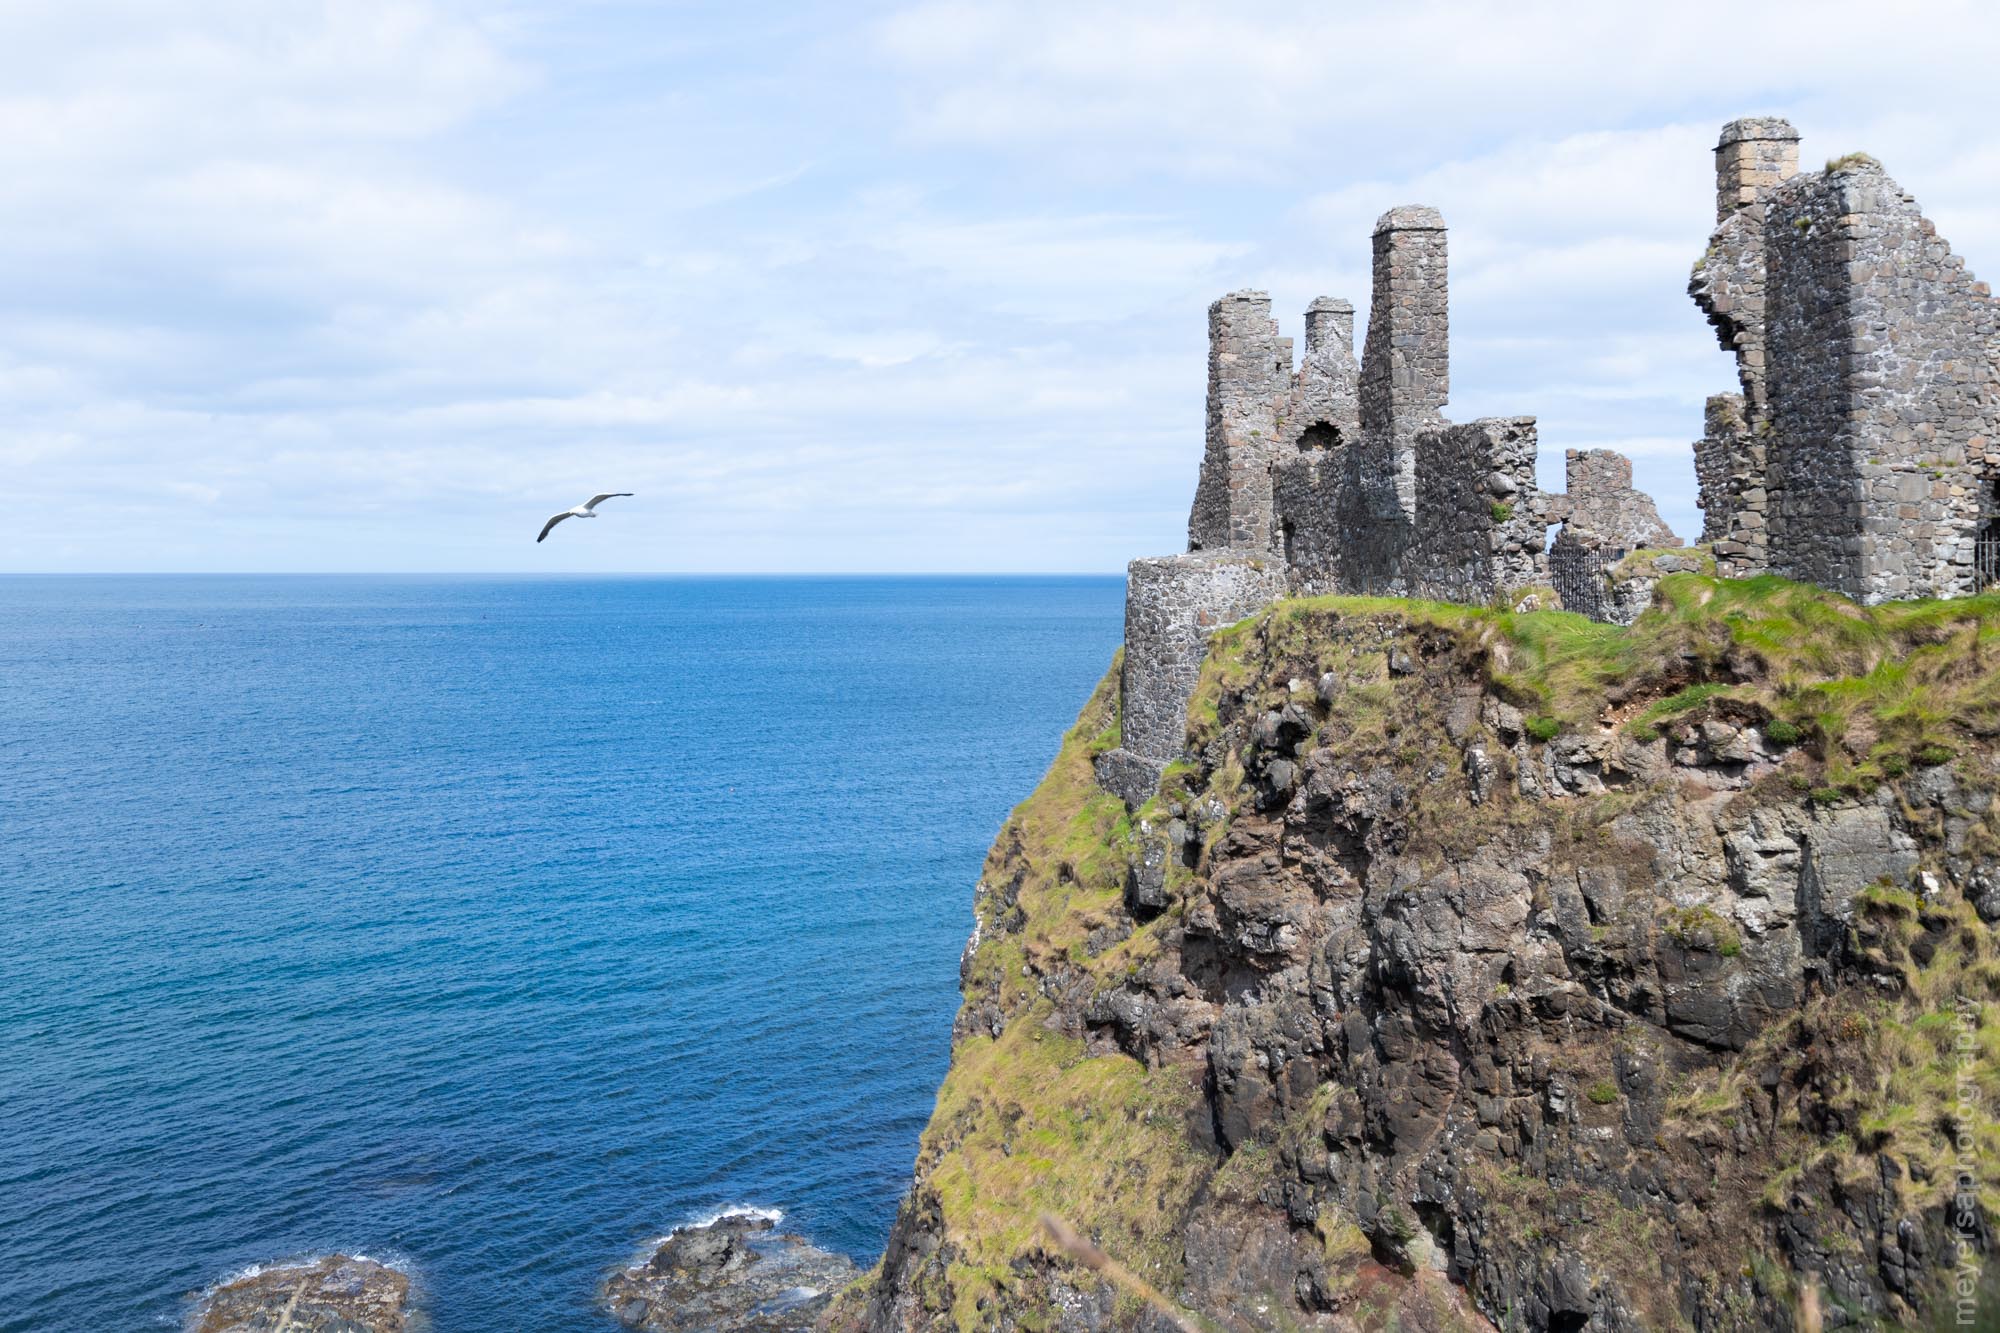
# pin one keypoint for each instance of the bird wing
(551, 523)
(596, 500)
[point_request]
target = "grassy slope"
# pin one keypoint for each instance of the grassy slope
(1028, 1122)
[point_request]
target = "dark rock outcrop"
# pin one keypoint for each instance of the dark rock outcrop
(1438, 988)
(737, 1274)
(336, 1294)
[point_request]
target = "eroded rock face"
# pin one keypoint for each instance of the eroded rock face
(738, 1274)
(337, 1294)
(1571, 1028)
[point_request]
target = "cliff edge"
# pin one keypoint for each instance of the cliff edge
(1485, 968)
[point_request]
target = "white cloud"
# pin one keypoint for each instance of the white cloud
(280, 275)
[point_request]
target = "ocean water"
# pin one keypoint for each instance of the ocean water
(494, 926)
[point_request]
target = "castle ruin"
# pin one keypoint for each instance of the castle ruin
(1862, 453)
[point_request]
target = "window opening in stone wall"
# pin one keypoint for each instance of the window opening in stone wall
(1290, 550)
(1986, 545)
(1320, 435)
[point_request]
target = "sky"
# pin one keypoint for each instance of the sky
(378, 285)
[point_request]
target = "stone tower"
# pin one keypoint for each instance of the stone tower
(1883, 403)
(1406, 362)
(1752, 156)
(1249, 378)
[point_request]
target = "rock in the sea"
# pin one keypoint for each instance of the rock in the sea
(337, 1294)
(737, 1274)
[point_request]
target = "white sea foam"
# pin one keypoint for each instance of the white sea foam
(752, 1211)
(300, 1264)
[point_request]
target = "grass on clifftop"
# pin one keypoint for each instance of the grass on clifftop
(1874, 690)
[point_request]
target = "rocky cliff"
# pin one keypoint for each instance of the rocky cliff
(1495, 968)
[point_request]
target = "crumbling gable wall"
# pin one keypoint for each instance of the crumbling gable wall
(1752, 156)
(1860, 457)
(1882, 389)
(1480, 521)
(1601, 498)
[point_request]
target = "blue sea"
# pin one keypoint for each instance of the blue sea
(490, 925)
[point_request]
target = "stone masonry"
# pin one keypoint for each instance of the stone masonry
(1249, 378)
(1481, 525)
(1752, 155)
(1866, 353)
(1729, 478)
(1406, 364)
(1339, 476)
(1863, 452)
(1172, 604)
(1601, 499)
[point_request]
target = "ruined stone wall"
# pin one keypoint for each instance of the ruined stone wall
(1323, 409)
(1249, 380)
(1576, 569)
(1479, 518)
(1729, 469)
(1882, 389)
(1406, 361)
(1309, 494)
(1860, 457)
(1752, 156)
(1601, 498)
(1172, 604)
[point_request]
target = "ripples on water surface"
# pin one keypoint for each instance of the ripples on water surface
(494, 925)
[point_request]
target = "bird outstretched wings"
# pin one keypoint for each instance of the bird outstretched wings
(588, 509)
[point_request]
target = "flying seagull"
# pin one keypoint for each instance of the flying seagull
(588, 509)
